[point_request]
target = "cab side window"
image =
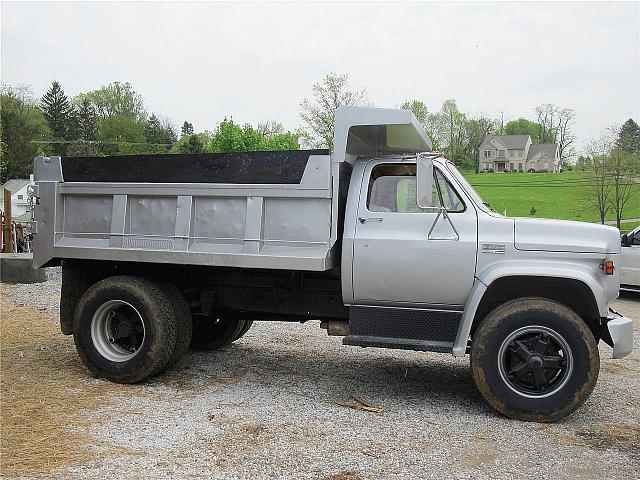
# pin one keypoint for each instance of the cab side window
(392, 188)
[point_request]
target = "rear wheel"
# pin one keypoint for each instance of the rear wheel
(245, 329)
(124, 329)
(184, 322)
(534, 359)
(215, 331)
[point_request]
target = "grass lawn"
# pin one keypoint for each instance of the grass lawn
(554, 195)
(626, 227)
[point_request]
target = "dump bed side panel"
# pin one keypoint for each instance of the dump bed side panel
(116, 210)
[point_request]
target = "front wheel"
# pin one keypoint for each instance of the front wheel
(534, 359)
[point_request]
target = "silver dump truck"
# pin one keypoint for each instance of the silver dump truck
(383, 241)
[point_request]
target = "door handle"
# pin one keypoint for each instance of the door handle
(369, 219)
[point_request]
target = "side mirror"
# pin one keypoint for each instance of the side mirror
(624, 240)
(424, 179)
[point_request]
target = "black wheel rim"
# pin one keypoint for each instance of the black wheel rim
(535, 361)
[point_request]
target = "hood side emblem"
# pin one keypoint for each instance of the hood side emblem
(496, 248)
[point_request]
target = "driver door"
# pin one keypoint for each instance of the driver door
(405, 255)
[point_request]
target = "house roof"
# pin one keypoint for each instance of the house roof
(509, 141)
(15, 184)
(548, 148)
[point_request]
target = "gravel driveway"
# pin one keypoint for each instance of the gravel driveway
(266, 408)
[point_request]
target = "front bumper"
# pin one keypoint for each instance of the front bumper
(617, 331)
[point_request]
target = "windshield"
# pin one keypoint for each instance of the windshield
(468, 188)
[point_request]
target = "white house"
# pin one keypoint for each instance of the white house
(19, 196)
(502, 153)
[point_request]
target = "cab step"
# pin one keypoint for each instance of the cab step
(432, 330)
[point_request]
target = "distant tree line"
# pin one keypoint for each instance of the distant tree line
(111, 120)
(114, 120)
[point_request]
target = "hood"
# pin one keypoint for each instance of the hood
(565, 236)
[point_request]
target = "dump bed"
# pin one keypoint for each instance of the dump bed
(249, 209)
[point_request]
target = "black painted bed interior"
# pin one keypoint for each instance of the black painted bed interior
(233, 167)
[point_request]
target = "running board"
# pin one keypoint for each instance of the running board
(430, 330)
(400, 343)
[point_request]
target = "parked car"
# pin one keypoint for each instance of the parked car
(630, 261)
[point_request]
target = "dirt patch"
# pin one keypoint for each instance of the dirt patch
(345, 475)
(48, 400)
(615, 367)
(477, 460)
(619, 436)
(237, 440)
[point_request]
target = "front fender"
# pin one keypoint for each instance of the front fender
(587, 273)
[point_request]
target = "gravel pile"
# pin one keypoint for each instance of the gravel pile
(265, 408)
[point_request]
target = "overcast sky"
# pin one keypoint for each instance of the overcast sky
(202, 61)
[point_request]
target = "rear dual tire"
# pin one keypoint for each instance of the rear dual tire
(534, 359)
(217, 331)
(127, 329)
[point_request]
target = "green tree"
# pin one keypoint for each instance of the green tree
(169, 135)
(453, 123)
(82, 148)
(228, 137)
(427, 120)
(58, 112)
(419, 110)
(22, 123)
(252, 139)
(274, 137)
(522, 126)
(116, 134)
(187, 129)
(117, 99)
(477, 129)
(194, 143)
(120, 128)
(153, 130)
(86, 121)
(121, 119)
(318, 112)
(281, 141)
(629, 137)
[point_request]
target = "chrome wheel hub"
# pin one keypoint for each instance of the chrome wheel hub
(117, 330)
